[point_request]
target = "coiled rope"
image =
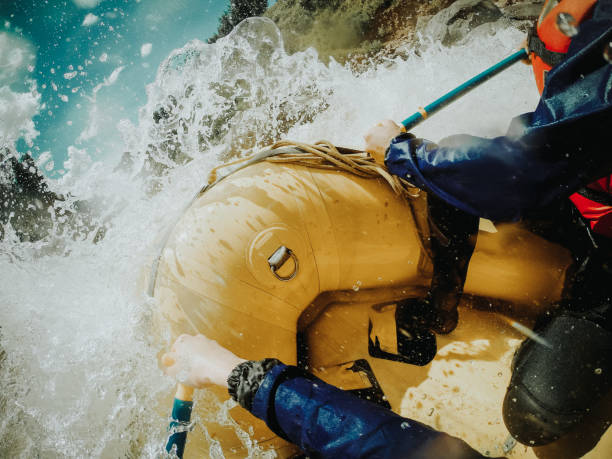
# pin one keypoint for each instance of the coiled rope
(324, 155)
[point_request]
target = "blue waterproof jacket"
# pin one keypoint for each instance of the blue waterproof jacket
(327, 422)
(548, 154)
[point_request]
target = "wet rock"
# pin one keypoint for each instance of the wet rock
(528, 11)
(454, 23)
(25, 197)
(32, 210)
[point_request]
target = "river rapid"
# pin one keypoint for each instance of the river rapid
(78, 354)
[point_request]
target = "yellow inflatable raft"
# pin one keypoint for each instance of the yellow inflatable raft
(295, 262)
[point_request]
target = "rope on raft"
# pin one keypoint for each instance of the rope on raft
(324, 155)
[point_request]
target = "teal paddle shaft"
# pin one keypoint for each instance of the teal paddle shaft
(181, 415)
(461, 90)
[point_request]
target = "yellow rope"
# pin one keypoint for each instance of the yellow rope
(212, 175)
(324, 155)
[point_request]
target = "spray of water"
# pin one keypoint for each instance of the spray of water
(78, 371)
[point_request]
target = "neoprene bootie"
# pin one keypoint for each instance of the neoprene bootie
(553, 388)
(416, 344)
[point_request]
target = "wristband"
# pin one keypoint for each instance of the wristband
(245, 379)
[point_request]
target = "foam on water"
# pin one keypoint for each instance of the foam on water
(78, 371)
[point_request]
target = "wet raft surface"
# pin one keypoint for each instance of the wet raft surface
(358, 247)
(460, 392)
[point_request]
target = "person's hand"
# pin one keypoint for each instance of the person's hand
(378, 138)
(197, 361)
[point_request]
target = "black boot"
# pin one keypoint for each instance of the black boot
(553, 388)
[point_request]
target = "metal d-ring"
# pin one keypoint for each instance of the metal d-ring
(279, 258)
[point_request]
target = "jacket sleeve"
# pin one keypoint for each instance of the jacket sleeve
(548, 154)
(327, 422)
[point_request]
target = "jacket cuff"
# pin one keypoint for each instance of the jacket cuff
(244, 380)
(401, 158)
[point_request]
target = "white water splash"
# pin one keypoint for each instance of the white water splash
(78, 376)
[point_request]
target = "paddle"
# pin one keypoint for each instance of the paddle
(425, 112)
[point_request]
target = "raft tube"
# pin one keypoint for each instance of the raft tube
(305, 265)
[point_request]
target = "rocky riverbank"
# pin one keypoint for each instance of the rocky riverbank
(348, 29)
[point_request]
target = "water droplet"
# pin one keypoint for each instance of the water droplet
(598, 371)
(356, 286)
(567, 24)
(405, 425)
(405, 332)
(607, 52)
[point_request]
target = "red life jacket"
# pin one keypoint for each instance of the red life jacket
(595, 204)
(548, 43)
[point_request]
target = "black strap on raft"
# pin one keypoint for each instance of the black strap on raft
(537, 46)
(374, 393)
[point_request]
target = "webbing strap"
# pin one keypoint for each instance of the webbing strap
(537, 46)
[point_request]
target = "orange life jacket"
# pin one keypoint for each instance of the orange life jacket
(548, 43)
